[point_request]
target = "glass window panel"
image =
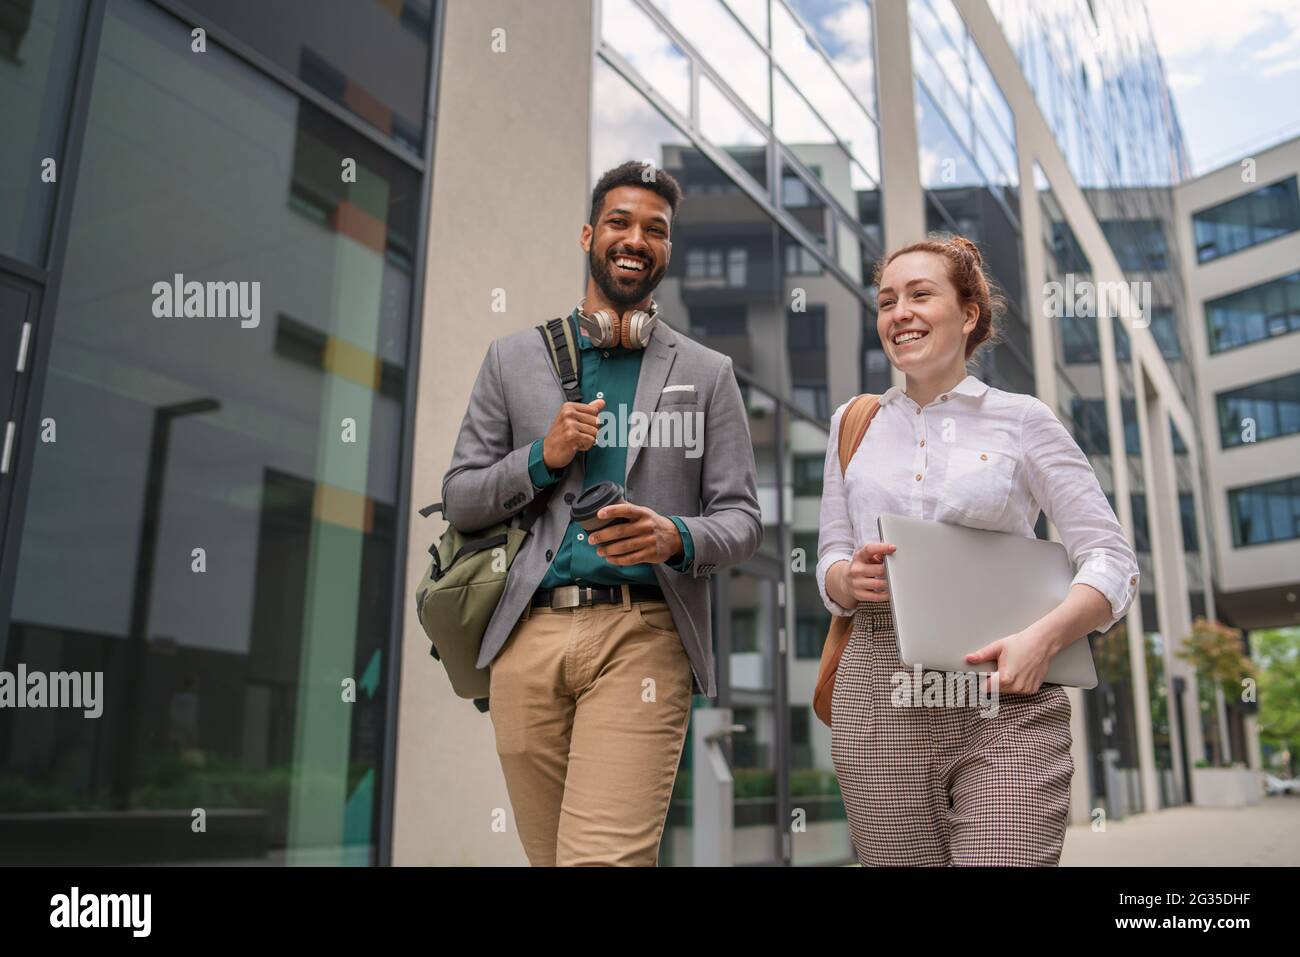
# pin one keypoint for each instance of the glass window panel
(1281, 507)
(950, 18)
(844, 29)
(1256, 217)
(723, 43)
(1251, 315)
(753, 14)
(1270, 408)
(940, 87)
(727, 128)
(1288, 414)
(372, 58)
(1265, 513)
(625, 126)
(945, 163)
(814, 77)
(220, 432)
(804, 204)
(631, 31)
(1164, 327)
(1273, 211)
(802, 130)
(995, 140)
(928, 26)
(38, 50)
(988, 89)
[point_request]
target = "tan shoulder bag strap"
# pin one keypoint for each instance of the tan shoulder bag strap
(853, 427)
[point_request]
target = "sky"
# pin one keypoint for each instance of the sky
(1234, 68)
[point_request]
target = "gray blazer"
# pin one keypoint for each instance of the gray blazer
(516, 398)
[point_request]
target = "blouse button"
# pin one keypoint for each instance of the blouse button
(918, 411)
(918, 476)
(923, 443)
(984, 456)
(943, 398)
(580, 536)
(1133, 580)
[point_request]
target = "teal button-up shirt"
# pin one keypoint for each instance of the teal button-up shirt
(609, 374)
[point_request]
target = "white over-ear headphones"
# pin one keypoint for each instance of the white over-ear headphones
(633, 331)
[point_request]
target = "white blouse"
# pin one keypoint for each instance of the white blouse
(980, 457)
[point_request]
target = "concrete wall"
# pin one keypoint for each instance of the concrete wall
(510, 194)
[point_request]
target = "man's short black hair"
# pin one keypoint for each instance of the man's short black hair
(642, 175)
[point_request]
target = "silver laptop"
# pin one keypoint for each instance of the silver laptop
(955, 589)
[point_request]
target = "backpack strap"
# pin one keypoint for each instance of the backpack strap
(563, 348)
(853, 425)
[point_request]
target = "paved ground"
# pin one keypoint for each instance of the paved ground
(1263, 835)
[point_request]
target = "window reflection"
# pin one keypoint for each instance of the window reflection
(844, 30)
(728, 128)
(714, 32)
(812, 774)
(742, 283)
(1245, 221)
(960, 199)
(631, 31)
(229, 549)
(753, 14)
(1255, 314)
(813, 76)
(369, 56)
(38, 44)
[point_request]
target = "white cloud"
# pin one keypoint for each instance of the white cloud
(1276, 49)
(851, 25)
(1187, 30)
(1285, 66)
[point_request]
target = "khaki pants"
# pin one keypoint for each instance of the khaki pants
(590, 707)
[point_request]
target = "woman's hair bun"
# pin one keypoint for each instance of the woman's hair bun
(966, 246)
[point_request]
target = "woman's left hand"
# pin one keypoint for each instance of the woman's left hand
(1022, 661)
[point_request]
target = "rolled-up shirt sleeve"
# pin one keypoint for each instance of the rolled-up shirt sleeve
(1065, 486)
(835, 541)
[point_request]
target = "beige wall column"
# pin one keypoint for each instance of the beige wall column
(902, 206)
(1173, 608)
(509, 199)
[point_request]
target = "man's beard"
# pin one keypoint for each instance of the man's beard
(617, 292)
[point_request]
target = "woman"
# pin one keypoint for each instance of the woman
(948, 785)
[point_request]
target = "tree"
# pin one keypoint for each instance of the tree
(1277, 650)
(1218, 653)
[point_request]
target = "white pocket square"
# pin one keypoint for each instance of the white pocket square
(679, 388)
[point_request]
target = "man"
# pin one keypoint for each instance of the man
(601, 639)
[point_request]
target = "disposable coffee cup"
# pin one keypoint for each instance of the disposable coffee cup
(590, 502)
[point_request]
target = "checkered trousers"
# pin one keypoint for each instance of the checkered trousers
(945, 785)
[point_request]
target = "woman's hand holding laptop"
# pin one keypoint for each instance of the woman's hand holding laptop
(862, 578)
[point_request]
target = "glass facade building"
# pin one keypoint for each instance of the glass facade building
(769, 126)
(211, 498)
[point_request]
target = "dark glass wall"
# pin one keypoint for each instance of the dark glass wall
(212, 517)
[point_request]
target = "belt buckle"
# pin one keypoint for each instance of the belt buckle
(565, 596)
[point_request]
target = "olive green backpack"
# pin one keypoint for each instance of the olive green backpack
(467, 573)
